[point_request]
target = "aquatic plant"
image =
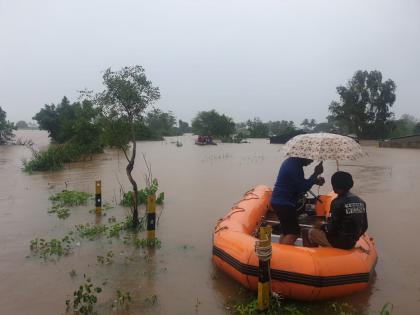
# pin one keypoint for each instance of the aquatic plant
(107, 259)
(121, 301)
(70, 198)
(147, 243)
(278, 305)
(91, 231)
(127, 199)
(56, 247)
(386, 309)
(251, 308)
(150, 300)
(49, 160)
(84, 299)
(61, 212)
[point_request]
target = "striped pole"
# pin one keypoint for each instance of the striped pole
(98, 196)
(263, 249)
(151, 216)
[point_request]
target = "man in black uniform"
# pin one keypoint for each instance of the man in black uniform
(347, 220)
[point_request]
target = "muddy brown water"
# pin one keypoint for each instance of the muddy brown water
(200, 185)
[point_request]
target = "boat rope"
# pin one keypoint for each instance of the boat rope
(234, 209)
(263, 249)
(217, 230)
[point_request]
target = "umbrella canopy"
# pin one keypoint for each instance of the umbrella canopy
(323, 146)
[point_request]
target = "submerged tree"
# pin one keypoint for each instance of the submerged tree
(126, 96)
(6, 128)
(256, 128)
(364, 106)
(211, 123)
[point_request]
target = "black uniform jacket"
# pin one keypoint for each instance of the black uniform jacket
(347, 221)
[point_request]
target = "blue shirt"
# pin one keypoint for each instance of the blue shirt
(291, 183)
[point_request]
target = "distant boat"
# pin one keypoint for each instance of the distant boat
(205, 140)
(205, 143)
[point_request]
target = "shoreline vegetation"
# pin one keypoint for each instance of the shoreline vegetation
(84, 128)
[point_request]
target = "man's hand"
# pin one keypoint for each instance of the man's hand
(319, 169)
(320, 181)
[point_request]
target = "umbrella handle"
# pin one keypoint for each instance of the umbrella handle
(315, 196)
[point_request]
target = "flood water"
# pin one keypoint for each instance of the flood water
(200, 185)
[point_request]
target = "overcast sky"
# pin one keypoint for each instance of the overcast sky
(269, 59)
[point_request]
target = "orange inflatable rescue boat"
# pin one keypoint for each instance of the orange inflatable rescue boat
(297, 272)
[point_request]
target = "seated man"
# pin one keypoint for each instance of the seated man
(347, 220)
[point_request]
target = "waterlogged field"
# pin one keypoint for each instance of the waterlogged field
(99, 259)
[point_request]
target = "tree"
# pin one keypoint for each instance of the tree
(211, 123)
(257, 129)
(404, 126)
(308, 125)
(417, 129)
(127, 94)
(324, 127)
(161, 124)
(277, 128)
(183, 127)
(6, 128)
(75, 123)
(364, 106)
(21, 124)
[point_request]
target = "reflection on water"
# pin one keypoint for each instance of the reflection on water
(200, 183)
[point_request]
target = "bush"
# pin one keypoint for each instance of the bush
(56, 155)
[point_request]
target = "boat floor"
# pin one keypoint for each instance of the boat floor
(305, 221)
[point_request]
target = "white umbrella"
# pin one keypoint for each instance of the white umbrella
(323, 146)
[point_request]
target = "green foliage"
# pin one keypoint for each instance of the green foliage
(121, 301)
(107, 259)
(257, 129)
(70, 198)
(386, 309)
(84, 299)
(49, 160)
(54, 247)
(161, 123)
(75, 123)
(61, 212)
(127, 93)
(282, 127)
(147, 243)
(308, 124)
(183, 127)
(127, 200)
(251, 308)
(6, 128)
(75, 131)
(279, 306)
(406, 125)
(21, 125)
(67, 198)
(91, 231)
(150, 300)
(364, 106)
(211, 123)
(54, 157)
(416, 129)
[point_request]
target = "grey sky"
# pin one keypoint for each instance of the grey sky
(271, 59)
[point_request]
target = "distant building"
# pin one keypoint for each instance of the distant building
(411, 141)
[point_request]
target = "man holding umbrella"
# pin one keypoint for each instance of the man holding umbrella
(289, 187)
